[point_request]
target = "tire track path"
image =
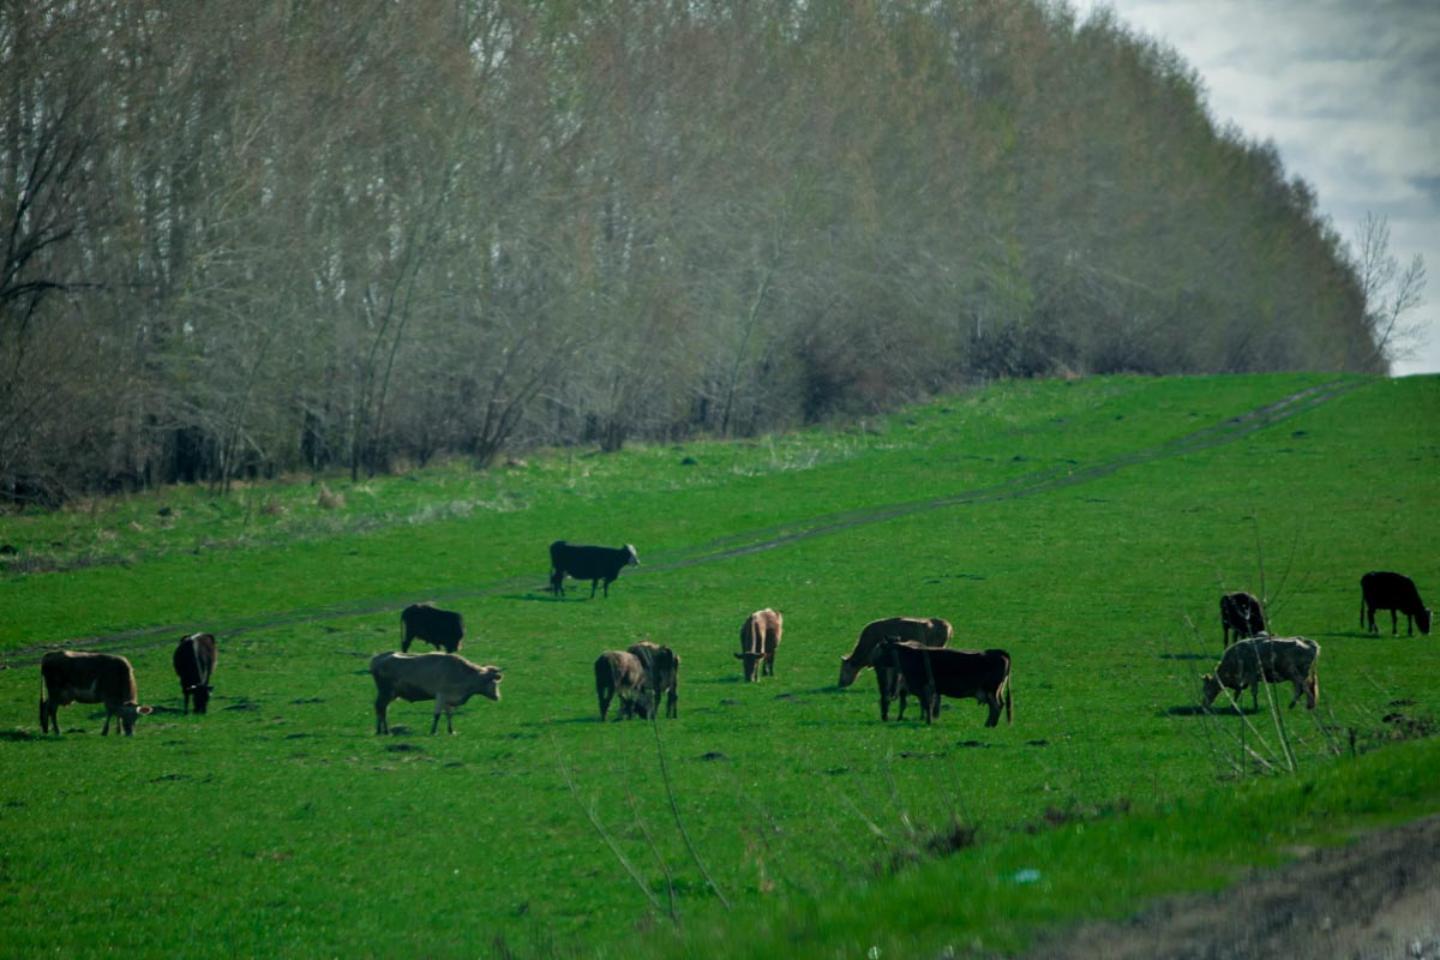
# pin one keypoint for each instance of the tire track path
(766, 538)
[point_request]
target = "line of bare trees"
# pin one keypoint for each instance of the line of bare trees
(241, 237)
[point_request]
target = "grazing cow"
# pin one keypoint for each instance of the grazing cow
(439, 628)
(1380, 590)
(446, 678)
(588, 563)
(662, 671)
(68, 677)
(1242, 613)
(759, 636)
(932, 672)
(194, 662)
(1271, 659)
(933, 632)
(621, 672)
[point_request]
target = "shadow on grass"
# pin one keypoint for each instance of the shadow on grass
(1195, 710)
(18, 735)
(542, 598)
(1188, 656)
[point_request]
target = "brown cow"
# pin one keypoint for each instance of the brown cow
(69, 677)
(1271, 659)
(662, 672)
(933, 632)
(759, 636)
(932, 672)
(621, 672)
(194, 663)
(447, 678)
(1241, 613)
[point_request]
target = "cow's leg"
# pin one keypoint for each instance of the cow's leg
(672, 704)
(1409, 625)
(105, 730)
(1394, 624)
(382, 723)
(450, 721)
(993, 702)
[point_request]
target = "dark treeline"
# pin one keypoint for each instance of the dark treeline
(246, 236)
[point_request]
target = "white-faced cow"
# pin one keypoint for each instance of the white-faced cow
(759, 637)
(69, 677)
(425, 621)
(595, 564)
(1381, 590)
(662, 674)
(933, 672)
(1241, 613)
(620, 672)
(446, 678)
(1247, 663)
(194, 662)
(932, 632)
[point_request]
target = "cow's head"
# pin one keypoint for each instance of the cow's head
(201, 692)
(849, 670)
(487, 682)
(129, 712)
(1422, 620)
(1211, 688)
(632, 558)
(749, 659)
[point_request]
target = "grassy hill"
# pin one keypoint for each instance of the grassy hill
(1087, 527)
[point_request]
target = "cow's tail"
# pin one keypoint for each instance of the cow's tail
(44, 717)
(1005, 691)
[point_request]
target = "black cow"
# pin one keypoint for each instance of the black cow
(439, 628)
(588, 563)
(194, 662)
(931, 672)
(1380, 590)
(1242, 613)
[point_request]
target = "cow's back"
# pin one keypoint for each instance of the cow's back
(932, 632)
(88, 677)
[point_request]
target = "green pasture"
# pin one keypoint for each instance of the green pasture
(1087, 527)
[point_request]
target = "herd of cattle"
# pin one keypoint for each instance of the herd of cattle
(909, 656)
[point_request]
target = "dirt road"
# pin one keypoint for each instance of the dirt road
(1377, 898)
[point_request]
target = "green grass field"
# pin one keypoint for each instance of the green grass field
(1087, 527)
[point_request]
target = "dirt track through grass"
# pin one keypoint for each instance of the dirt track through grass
(760, 540)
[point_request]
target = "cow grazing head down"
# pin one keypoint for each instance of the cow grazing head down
(1266, 659)
(69, 677)
(759, 639)
(194, 662)
(931, 631)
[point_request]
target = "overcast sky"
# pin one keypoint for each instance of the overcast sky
(1349, 90)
